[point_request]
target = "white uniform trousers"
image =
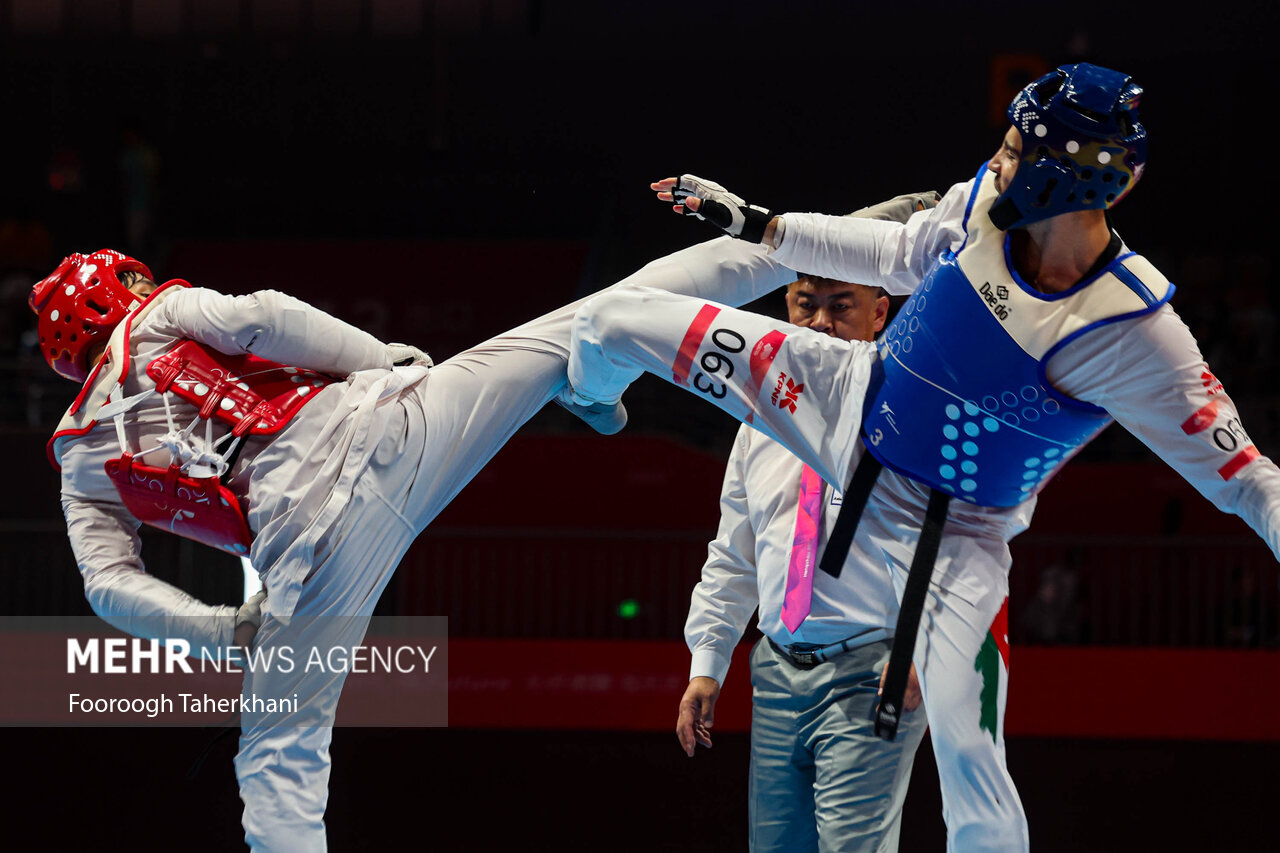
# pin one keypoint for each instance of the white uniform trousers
(807, 390)
(447, 428)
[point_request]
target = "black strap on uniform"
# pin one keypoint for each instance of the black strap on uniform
(231, 459)
(859, 490)
(855, 500)
(889, 709)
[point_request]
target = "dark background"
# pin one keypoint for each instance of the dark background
(546, 120)
(437, 171)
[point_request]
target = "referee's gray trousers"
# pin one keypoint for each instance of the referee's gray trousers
(820, 778)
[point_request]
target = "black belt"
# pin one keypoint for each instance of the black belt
(807, 655)
(859, 490)
(854, 501)
(889, 709)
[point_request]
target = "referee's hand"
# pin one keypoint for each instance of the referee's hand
(912, 698)
(697, 713)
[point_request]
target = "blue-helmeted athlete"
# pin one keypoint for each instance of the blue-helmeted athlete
(1030, 327)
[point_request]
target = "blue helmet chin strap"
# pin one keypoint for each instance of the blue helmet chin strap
(1083, 147)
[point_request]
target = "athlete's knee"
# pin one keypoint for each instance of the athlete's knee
(613, 317)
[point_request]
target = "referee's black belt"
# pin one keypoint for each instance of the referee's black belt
(808, 655)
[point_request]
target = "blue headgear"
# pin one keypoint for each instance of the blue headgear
(1082, 145)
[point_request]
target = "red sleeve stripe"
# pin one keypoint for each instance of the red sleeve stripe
(762, 356)
(692, 340)
(1241, 459)
(1202, 419)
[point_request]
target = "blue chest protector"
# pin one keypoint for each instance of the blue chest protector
(965, 406)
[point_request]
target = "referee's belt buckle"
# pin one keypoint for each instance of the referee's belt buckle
(806, 658)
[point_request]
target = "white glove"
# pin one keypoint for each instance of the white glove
(402, 355)
(248, 621)
(251, 611)
(722, 208)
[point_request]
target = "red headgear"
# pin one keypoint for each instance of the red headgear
(79, 305)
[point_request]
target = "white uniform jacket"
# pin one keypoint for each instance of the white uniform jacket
(293, 483)
(1147, 373)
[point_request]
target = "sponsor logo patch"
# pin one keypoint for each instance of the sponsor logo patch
(786, 393)
(1211, 383)
(888, 416)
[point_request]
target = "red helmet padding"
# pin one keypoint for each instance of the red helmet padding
(79, 304)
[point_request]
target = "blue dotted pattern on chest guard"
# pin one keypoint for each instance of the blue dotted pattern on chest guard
(961, 408)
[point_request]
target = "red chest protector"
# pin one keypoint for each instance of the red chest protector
(255, 396)
(199, 508)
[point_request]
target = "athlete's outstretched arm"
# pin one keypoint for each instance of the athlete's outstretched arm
(888, 250)
(275, 326)
(1151, 377)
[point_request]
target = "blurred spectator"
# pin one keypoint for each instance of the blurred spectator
(15, 316)
(66, 171)
(26, 253)
(1247, 346)
(138, 169)
(1245, 619)
(1054, 616)
(26, 243)
(1200, 280)
(71, 209)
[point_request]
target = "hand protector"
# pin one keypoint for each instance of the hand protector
(251, 611)
(403, 355)
(722, 208)
(248, 621)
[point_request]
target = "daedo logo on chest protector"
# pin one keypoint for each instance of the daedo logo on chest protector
(995, 298)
